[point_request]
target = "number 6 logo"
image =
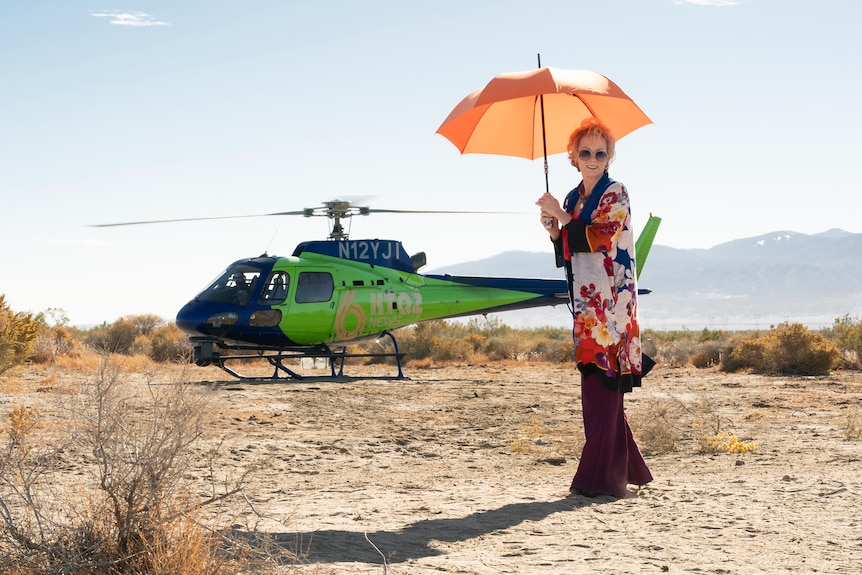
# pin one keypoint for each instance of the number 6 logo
(349, 308)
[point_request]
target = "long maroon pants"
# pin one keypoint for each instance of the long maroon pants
(611, 458)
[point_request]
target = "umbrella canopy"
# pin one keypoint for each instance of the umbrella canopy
(532, 114)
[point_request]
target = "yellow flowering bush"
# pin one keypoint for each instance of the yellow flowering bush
(725, 442)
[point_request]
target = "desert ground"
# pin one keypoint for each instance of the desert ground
(466, 468)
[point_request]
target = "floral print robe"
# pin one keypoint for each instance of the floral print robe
(598, 251)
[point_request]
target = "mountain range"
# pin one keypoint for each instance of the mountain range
(749, 283)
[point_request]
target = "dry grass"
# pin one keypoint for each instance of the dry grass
(853, 426)
(132, 434)
(538, 439)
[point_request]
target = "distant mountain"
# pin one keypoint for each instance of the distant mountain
(750, 283)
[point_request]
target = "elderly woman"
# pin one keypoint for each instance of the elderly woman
(594, 242)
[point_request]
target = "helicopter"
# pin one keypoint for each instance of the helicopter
(339, 291)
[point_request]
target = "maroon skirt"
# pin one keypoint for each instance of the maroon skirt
(611, 459)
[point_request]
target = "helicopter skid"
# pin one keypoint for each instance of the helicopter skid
(210, 351)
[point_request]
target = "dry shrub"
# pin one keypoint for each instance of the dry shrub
(564, 352)
(26, 463)
(744, 356)
(129, 508)
(53, 343)
(724, 442)
(424, 363)
(141, 345)
(788, 349)
(658, 424)
(484, 339)
(846, 332)
(86, 360)
(701, 349)
(168, 343)
(706, 355)
(676, 353)
(545, 344)
(90, 360)
(419, 341)
(663, 424)
(146, 335)
(183, 545)
(18, 332)
(682, 348)
(508, 346)
(129, 335)
(796, 350)
(710, 436)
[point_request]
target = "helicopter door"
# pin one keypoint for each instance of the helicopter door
(313, 308)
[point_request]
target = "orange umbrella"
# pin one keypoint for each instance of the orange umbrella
(507, 116)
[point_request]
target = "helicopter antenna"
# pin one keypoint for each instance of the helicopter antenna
(272, 239)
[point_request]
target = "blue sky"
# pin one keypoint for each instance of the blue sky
(113, 111)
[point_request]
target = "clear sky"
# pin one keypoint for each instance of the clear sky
(115, 110)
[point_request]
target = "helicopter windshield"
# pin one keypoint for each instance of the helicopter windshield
(235, 286)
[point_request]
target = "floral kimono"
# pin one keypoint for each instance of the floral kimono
(597, 249)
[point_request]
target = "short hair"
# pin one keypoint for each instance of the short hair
(591, 127)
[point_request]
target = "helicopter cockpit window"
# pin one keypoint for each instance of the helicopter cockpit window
(314, 287)
(275, 290)
(235, 286)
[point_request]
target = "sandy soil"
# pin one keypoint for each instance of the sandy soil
(465, 469)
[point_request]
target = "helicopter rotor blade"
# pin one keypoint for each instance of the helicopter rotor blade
(385, 211)
(293, 213)
(337, 209)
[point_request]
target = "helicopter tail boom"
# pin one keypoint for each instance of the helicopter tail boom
(545, 292)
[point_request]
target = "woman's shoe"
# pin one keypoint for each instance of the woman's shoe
(583, 492)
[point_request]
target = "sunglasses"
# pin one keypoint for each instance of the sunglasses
(600, 156)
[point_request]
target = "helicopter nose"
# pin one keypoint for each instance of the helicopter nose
(201, 318)
(190, 319)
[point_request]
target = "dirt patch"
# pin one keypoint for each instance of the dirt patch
(465, 469)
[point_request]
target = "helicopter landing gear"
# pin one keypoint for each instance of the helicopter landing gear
(211, 351)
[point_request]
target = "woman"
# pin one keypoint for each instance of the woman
(593, 240)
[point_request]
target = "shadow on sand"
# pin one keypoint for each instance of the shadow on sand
(413, 541)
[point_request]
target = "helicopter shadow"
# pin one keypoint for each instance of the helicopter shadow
(414, 540)
(314, 382)
(311, 382)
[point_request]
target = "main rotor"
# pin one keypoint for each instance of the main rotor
(336, 210)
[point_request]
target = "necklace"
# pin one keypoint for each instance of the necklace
(582, 200)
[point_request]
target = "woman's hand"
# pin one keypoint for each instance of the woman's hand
(550, 206)
(551, 210)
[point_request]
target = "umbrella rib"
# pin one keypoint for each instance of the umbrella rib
(587, 106)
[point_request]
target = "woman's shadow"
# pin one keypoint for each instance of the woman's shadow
(413, 541)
